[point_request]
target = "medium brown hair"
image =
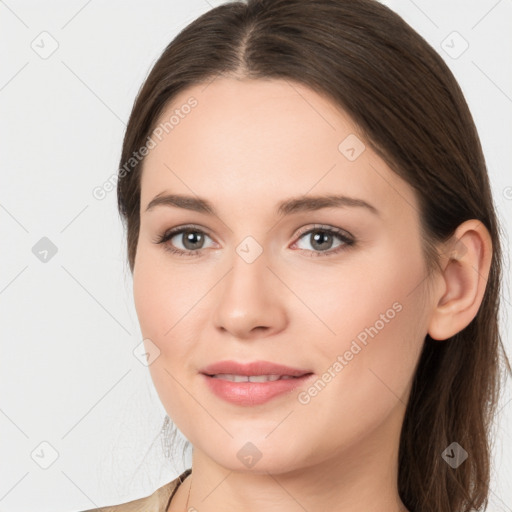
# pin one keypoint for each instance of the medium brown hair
(406, 102)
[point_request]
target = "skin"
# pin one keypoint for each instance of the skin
(245, 147)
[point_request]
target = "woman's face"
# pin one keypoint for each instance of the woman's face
(332, 288)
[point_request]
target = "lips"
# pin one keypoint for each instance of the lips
(254, 383)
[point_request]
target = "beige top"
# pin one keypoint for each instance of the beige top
(156, 502)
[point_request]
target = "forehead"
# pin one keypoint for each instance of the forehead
(256, 141)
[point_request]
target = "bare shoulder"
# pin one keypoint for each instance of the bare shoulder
(156, 502)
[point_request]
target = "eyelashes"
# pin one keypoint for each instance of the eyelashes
(345, 238)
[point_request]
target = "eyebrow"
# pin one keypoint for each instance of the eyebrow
(286, 207)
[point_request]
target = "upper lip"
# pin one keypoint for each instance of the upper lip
(252, 368)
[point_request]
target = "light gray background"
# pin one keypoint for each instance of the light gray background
(69, 378)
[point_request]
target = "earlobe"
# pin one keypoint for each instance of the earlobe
(466, 263)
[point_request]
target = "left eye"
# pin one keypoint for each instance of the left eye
(322, 239)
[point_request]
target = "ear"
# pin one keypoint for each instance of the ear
(466, 262)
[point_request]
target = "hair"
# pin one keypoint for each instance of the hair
(411, 111)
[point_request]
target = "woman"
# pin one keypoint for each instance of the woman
(316, 263)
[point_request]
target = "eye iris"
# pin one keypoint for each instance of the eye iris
(192, 237)
(319, 238)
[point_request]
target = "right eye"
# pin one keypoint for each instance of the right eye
(190, 238)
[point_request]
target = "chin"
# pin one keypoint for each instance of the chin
(250, 454)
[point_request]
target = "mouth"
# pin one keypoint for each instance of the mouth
(253, 383)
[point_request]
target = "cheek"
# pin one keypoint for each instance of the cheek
(158, 316)
(378, 320)
(365, 380)
(373, 316)
(162, 295)
(166, 299)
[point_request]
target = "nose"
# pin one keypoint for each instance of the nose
(250, 300)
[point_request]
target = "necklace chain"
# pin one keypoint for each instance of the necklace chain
(188, 497)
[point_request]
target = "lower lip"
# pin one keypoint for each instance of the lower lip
(253, 393)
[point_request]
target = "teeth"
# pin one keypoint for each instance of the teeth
(250, 378)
